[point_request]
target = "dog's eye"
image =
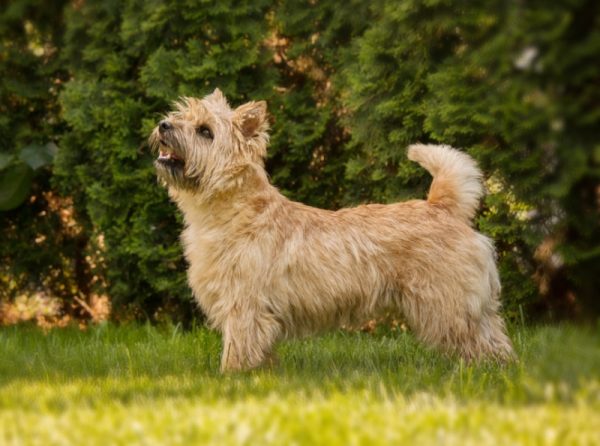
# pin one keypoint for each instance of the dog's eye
(204, 132)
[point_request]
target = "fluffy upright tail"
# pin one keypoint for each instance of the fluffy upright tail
(456, 178)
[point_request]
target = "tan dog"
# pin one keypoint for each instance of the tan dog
(263, 267)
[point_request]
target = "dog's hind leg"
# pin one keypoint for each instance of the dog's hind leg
(457, 321)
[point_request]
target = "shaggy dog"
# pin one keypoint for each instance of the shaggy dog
(263, 267)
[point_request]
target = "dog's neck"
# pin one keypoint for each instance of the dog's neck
(243, 201)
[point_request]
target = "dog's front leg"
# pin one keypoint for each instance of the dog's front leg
(248, 340)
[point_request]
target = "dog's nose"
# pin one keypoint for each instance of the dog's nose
(164, 126)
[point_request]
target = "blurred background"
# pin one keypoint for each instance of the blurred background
(87, 233)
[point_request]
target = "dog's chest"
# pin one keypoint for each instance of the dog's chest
(222, 263)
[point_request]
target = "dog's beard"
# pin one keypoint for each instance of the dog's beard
(171, 172)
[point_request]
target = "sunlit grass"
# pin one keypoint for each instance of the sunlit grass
(147, 385)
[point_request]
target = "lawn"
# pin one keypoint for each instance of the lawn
(160, 385)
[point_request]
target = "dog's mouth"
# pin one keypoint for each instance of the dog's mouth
(171, 163)
(168, 158)
(164, 155)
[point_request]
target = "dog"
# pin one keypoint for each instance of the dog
(263, 267)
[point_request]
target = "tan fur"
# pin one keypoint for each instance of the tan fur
(263, 267)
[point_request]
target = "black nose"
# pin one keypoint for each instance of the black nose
(164, 126)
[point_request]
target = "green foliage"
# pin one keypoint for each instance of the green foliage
(349, 86)
(37, 249)
(307, 158)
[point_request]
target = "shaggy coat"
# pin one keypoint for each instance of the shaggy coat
(263, 267)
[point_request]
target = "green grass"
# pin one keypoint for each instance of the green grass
(147, 385)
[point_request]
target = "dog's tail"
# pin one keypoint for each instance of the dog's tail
(456, 178)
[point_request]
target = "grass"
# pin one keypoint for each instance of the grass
(146, 385)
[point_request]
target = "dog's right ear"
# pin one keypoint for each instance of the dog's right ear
(251, 118)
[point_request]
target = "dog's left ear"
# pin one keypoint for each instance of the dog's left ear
(251, 118)
(218, 98)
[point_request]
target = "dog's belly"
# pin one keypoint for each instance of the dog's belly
(307, 309)
(321, 283)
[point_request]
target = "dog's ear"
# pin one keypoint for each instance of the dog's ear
(251, 118)
(218, 98)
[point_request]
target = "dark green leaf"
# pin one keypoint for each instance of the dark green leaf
(15, 183)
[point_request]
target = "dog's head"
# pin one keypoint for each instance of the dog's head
(205, 145)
